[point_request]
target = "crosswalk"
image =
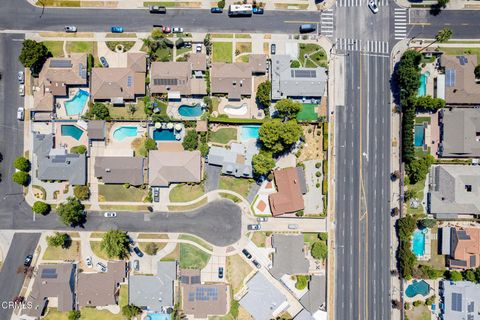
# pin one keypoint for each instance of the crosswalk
(400, 23)
(327, 23)
(368, 46)
(359, 3)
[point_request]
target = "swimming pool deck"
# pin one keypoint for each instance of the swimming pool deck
(428, 247)
(172, 108)
(67, 141)
(62, 112)
(127, 142)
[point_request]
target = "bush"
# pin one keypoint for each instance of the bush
(417, 303)
(299, 213)
(323, 236)
(40, 207)
(263, 94)
(302, 282)
(406, 260)
(324, 186)
(151, 248)
(417, 169)
(317, 185)
(430, 300)
(150, 144)
(319, 250)
(190, 142)
(318, 174)
(453, 275)
(74, 315)
(318, 165)
(81, 192)
(22, 164)
(58, 240)
(78, 149)
(295, 64)
(22, 178)
(405, 227)
(427, 223)
(129, 311)
(221, 4)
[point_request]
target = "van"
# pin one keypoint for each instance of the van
(157, 9)
(309, 27)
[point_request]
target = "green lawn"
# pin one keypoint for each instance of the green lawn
(437, 260)
(130, 111)
(58, 3)
(308, 49)
(311, 238)
(164, 54)
(80, 46)
(238, 185)
(319, 57)
(143, 245)
(55, 47)
(215, 103)
(113, 192)
(189, 207)
(183, 50)
(185, 192)
(222, 35)
(192, 257)
(127, 45)
(421, 120)
(222, 52)
(223, 135)
(418, 187)
(58, 253)
(197, 240)
(123, 297)
(95, 245)
(230, 197)
(461, 51)
(308, 112)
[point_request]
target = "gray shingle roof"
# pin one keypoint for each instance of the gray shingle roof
(315, 297)
(168, 167)
(236, 161)
(461, 127)
(96, 129)
(120, 170)
(289, 257)
(462, 300)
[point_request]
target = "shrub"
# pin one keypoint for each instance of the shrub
(318, 165)
(150, 144)
(430, 300)
(81, 192)
(295, 64)
(405, 227)
(299, 213)
(22, 164)
(324, 186)
(221, 4)
(74, 315)
(318, 174)
(130, 310)
(58, 240)
(190, 142)
(78, 149)
(323, 236)
(319, 250)
(302, 282)
(317, 185)
(22, 178)
(417, 303)
(40, 207)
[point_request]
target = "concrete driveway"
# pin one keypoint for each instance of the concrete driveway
(213, 177)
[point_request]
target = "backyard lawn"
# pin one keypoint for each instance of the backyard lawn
(223, 135)
(55, 47)
(418, 187)
(87, 314)
(130, 111)
(237, 270)
(80, 46)
(58, 253)
(138, 148)
(192, 257)
(308, 112)
(437, 260)
(238, 185)
(185, 192)
(222, 52)
(419, 313)
(119, 193)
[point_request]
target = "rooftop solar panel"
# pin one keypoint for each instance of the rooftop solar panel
(165, 82)
(457, 302)
(49, 273)
(471, 306)
(450, 77)
(195, 279)
(60, 63)
(129, 81)
(303, 73)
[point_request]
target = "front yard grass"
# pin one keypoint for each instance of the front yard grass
(230, 197)
(222, 52)
(59, 253)
(237, 270)
(152, 236)
(186, 193)
(80, 46)
(223, 135)
(461, 51)
(189, 207)
(127, 45)
(183, 50)
(143, 245)
(243, 47)
(58, 3)
(119, 193)
(192, 257)
(238, 185)
(55, 47)
(418, 187)
(315, 55)
(260, 238)
(197, 240)
(95, 245)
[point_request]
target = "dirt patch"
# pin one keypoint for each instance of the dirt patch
(312, 149)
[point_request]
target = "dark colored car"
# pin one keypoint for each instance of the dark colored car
(28, 260)
(216, 10)
(257, 10)
(253, 227)
(138, 252)
(246, 253)
(104, 62)
(157, 9)
(273, 48)
(308, 27)
(255, 262)
(220, 273)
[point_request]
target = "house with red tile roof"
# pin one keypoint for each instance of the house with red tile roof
(291, 187)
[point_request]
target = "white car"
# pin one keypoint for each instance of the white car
(21, 90)
(373, 6)
(20, 113)
(198, 48)
(70, 29)
(110, 214)
(262, 219)
(21, 77)
(177, 30)
(101, 267)
(88, 261)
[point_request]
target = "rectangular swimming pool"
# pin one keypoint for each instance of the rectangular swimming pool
(164, 135)
(71, 131)
(418, 243)
(249, 132)
(419, 140)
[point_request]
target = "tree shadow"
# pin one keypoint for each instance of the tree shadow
(436, 9)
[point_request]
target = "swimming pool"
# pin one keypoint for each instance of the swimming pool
(75, 105)
(163, 135)
(71, 131)
(236, 110)
(418, 242)
(249, 132)
(419, 135)
(417, 287)
(422, 90)
(158, 316)
(190, 111)
(125, 132)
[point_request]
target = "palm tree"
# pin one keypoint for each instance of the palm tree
(442, 36)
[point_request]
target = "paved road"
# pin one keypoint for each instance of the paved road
(11, 282)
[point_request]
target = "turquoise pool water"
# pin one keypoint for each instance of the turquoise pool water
(163, 135)
(71, 131)
(418, 243)
(75, 105)
(419, 135)
(158, 316)
(417, 287)
(249, 132)
(422, 90)
(125, 132)
(190, 111)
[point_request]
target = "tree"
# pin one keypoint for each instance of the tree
(430, 300)
(444, 35)
(453, 275)
(130, 310)
(469, 275)
(207, 42)
(81, 192)
(58, 240)
(427, 223)
(476, 72)
(263, 94)
(406, 260)
(190, 142)
(277, 136)
(81, 149)
(405, 227)
(71, 212)
(204, 149)
(418, 168)
(150, 144)
(410, 194)
(151, 248)
(33, 55)
(22, 164)
(221, 4)
(74, 315)
(98, 111)
(287, 108)
(115, 244)
(262, 163)
(443, 3)
(41, 207)
(319, 250)
(427, 103)
(22, 178)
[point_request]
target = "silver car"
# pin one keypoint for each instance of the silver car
(101, 267)
(20, 113)
(70, 29)
(110, 214)
(21, 90)
(21, 77)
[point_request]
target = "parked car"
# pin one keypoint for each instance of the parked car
(101, 267)
(104, 62)
(257, 10)
(156, 195)
(253, 227)
(70, 29)
(308, 27)
(198, 48)
(157, 9)
(246, 253)
(166, 29)
(177, 30)
(255, 262)
(88, 261)
(20, 113)
(117, 29)
(373, 6)
(220, 273)
(293, 226)
(21, 77)
(110, 214)
(21, 90)
(262, 219)
(273, 48)
(28, 260)
(138, 252)
(136, 265)
(216, 10)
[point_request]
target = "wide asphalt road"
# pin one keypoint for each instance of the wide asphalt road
(22, 245)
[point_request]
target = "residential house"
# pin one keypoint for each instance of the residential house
(289, 256)
(297, 83)
(179, 79)
(461, 300)
(202, 300)
(314, 301)
(232, 79)
(258, 63)
(101, 289)
(120, 170)
(153, 292)
(454, 190)
(53, 282)
(173, 167)
(460, 84)
(291, 187)
(263, 300)
(55, 79)
(56, 163)
(460, 133)
(117, 85)
(462, 247)
(236, 160)
(96, 130)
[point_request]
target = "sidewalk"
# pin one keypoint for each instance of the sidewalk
(452, 5)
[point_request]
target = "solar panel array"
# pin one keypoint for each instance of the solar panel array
(165, 82)
(49, 273)
(456, 301)
(82, 71)
(60, 63)
(303, 73)
(471, 306)
(463, 60)
(195, 279)
(129, 81)
(450, 77)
